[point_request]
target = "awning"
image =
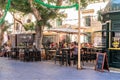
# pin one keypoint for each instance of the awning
(65, 30)
(46, 33)
(107, 31)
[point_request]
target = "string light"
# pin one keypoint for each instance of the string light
(5, 12)
(40, 2)
(56, 7)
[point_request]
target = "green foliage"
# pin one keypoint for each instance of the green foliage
(45, 13)
(55, 6)
(24, 6)
(29, 26)
(84, 3)
(6, 25)
(2, 4)
(21, 5)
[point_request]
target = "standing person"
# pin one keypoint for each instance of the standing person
(75, 52)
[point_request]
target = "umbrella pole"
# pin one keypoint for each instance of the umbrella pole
(79, 46)
(58, 38)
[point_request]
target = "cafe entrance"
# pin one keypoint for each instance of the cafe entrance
(111, 32)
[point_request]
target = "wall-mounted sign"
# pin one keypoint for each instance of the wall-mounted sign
(88, 11)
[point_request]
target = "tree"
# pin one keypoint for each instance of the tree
(4, 28)
(41, 13)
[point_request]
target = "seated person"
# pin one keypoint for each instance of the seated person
(54, 45)
(7, 50)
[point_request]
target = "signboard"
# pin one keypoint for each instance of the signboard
(115, 25)
(88, 11)
(25, 38)
(101, 62)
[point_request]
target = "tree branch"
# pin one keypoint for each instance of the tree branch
(59, 2)
(17, 20)
(35, 11)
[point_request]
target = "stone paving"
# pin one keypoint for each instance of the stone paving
(47, 70)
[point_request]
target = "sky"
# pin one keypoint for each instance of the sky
(9, 18)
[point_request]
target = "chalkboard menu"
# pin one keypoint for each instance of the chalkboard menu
(101, 62)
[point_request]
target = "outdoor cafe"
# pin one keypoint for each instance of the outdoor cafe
(63, 53)
(23, 48)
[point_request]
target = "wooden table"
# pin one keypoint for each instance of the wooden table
(52, 53)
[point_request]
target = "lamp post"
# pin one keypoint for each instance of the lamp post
(79, 45)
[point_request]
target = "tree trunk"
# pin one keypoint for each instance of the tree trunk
(38, 28)
(39, 36)
(1, 33)
(35, 11)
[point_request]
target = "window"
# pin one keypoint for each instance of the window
(87, 21)
(115, 36)
(59, 22)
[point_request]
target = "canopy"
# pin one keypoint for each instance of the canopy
(49, 33)
(107, 31)
(65, 30)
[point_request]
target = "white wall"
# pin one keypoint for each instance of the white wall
(72, 16)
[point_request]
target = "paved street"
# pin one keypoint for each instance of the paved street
(47, 70)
